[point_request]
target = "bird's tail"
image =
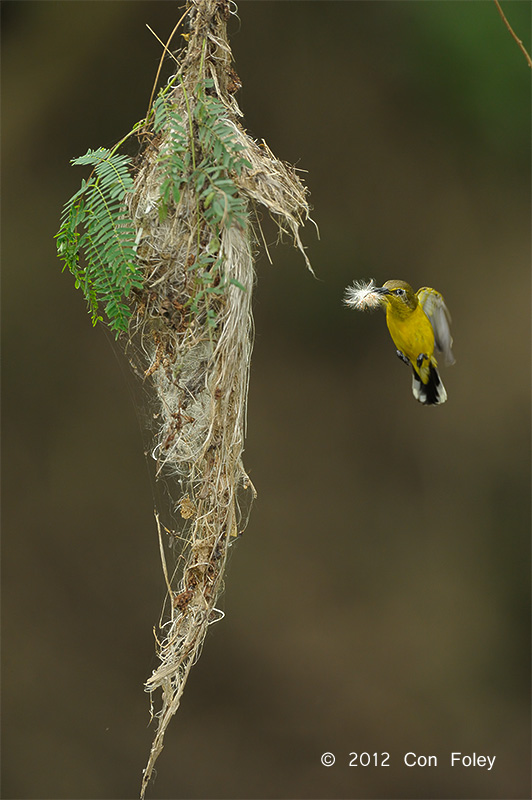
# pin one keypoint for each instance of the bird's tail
(432, 392)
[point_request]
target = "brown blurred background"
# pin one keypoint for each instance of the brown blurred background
(379, 600)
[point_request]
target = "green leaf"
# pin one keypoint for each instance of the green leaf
(95, 224)
(234, 282)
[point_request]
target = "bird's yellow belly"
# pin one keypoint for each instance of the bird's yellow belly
(412, 334)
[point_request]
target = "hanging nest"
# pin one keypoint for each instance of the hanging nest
(190, 336)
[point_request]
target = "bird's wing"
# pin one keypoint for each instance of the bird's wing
(434, 307)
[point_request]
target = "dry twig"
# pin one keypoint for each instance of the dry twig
(514, 35)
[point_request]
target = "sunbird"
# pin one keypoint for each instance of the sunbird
(419, 323)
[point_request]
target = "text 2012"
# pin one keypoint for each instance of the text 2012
(369, 759)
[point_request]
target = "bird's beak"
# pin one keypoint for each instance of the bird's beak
(381, 290)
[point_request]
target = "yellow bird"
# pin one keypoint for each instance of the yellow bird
(419, 324)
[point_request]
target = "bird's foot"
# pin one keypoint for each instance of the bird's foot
(420, 359)
(402, 357)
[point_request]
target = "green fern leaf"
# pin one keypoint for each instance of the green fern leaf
(95, 227)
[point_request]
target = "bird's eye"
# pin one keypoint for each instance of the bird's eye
(399, 292)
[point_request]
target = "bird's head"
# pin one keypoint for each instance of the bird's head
(399, 295)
